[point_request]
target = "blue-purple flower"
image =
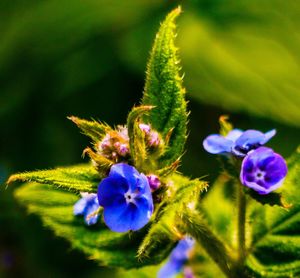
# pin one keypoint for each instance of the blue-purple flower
(177, 258)
(263, 170)
(237, 142)
(87, 206)
(126, 198)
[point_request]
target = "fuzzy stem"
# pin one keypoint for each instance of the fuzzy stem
(241, 201)
(215, 248)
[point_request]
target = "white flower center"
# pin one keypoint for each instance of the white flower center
(130, 197)
(259, 175)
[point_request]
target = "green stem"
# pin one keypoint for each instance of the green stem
(241, 225)
(215, 248)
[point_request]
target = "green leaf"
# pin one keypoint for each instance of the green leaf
(275, 248)
(78, 178)
(55, 207)
(94, 129)
(164, 90)
(186, 193)
(99, 243)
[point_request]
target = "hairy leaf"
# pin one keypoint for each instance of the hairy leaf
(94, 129)
(186, 194)
(198, 228)
(164, 90)
(55, 207)
(78, 178)
(275, 248)
(99, 243)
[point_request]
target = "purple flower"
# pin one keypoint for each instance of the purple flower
(86, 206)
(154, 182)
(177, 258)
(126, 198)
(237, 142)
(263, 170)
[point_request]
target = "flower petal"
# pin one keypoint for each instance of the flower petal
(170, 269)
(92, 208)
(111, 188)
(250, 137)
(268, 136)
(143, 186)
(234, 134)
(125, 171)
(217, 144)
(116, 216)
(79, 207)
(142, 214)
(177, 258)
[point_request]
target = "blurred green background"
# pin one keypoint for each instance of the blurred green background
(87, 58)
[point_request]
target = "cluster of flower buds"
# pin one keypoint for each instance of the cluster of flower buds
(152, 137)
(115, 144)
(262, 169)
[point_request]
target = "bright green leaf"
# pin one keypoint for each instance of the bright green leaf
(164, 89)
(244, 56)
(79, 178)
(164, 228)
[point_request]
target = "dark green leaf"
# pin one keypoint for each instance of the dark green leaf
(271, 199)
(164, 89)
(79, 178)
